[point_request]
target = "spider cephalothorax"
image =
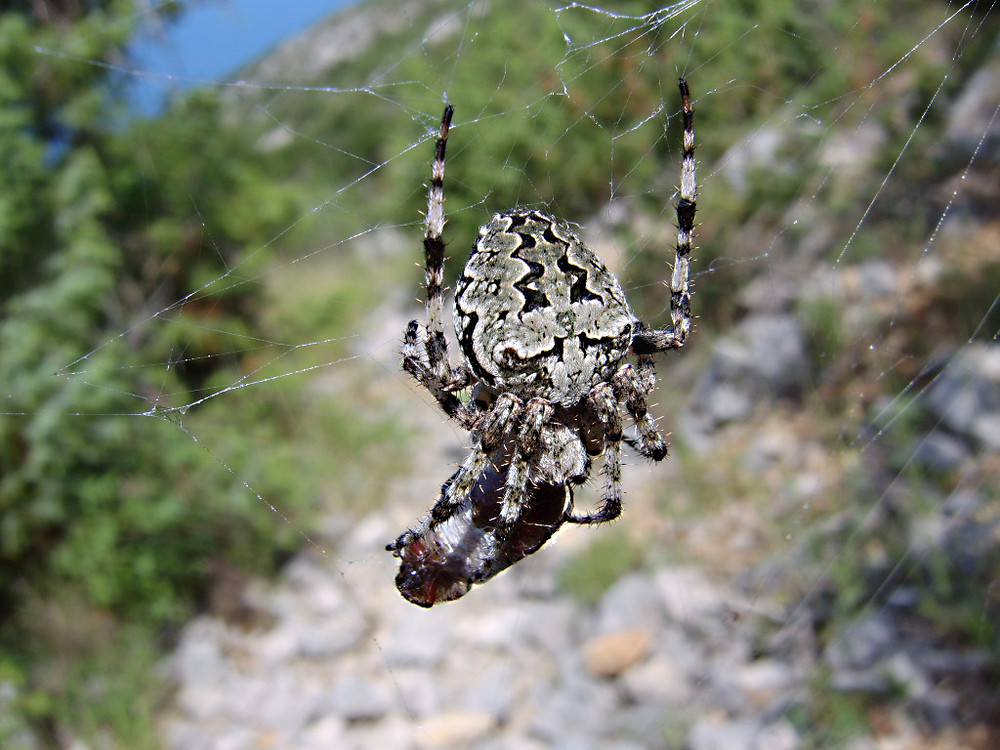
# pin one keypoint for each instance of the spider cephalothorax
(545, 332)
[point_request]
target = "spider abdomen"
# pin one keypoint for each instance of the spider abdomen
(537, 313)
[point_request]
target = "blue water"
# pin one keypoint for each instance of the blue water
(212, 40)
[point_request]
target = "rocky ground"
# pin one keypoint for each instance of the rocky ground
(705, 656)
(344, 662)
(667, 659)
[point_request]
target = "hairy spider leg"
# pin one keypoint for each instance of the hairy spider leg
(650, 340)
(633, 385)
(604, 404)
(537, 412)
(425, 349)
(496, 424)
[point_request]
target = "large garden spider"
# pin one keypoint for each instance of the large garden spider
(545, 333)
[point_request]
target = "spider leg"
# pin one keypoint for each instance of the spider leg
(537, 412)
(440, 379)
(633, 386)
(494, 425)
(434, 247)
(649, 341)
(602, 400)
(425, 349)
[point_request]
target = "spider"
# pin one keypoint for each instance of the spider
(545, 332)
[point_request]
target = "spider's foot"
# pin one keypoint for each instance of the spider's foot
(610, 510)
(656, 451)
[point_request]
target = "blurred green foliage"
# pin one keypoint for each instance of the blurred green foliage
(108, 509)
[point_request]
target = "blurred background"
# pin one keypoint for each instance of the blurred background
(210, 245)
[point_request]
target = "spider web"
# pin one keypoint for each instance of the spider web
(813, 562)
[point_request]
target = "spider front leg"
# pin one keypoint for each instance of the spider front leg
(427, 362)
(425, 349)
(648, 341)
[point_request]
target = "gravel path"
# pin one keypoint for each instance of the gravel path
(330, 656)
(344, 662)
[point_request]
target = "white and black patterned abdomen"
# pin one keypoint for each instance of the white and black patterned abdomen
(537, 314)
